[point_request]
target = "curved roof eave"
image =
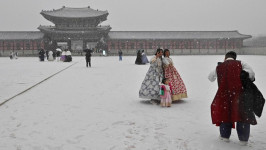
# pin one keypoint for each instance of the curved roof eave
(67, 12)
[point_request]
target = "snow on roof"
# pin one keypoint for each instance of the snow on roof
(176, 35)
(67, 12)
(20, 35)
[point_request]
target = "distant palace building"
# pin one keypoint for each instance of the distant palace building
(79, 28)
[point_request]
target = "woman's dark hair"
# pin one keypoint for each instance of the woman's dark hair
(158, 50)
(164, 79)
(231, 54)
(165, 50)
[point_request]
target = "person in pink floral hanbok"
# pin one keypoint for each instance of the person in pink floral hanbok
(179, 90)
(165, 93)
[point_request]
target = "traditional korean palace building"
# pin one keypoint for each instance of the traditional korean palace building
(79, 28)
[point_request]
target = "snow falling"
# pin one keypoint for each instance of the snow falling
(98, 108)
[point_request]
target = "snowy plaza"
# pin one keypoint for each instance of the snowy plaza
(77, 108)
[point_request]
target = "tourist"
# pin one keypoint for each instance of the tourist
(63, 56)
(50, 56)
(16, 55)
(58, 54)
(41, 54)
(225, 106)
(120, 53)
(88, 58)
(54, 54)
(138, 60)
(165, 93)
(11, 56)
(68, 56)
(150, 86)
(170, 72)
(144, 59)
(47, 54)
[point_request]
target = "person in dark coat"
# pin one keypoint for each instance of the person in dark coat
(11, 56)
(225, 108)
(138, 59)
(47, 54)
(68, 56)
(58, 55)
(88, 58)
(120, 53)
(54, 54)
(41, 54)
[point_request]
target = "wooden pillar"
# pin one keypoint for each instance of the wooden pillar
(120, 44)
(216, 45)
(126, 44)
(116, 45)
(146, 45)
(4, 45)
(174, 44)
(1, 46)
(108, 45)
(225, 45)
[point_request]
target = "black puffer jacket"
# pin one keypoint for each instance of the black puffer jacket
(251, 101)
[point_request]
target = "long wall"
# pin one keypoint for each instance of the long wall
(179, 51)
(253, 50)
(133, 52)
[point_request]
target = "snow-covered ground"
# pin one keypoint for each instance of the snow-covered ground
(98, 108)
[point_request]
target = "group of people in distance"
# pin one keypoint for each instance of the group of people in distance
(141, 58)
(162, 83)
(58, 55)
(13, 55)
(235, 104)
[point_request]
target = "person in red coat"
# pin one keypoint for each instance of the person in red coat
(225, 106)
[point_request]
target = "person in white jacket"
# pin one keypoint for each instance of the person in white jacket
(213, 74)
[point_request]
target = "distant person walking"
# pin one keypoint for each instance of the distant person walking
(120, 53)
(88, 58)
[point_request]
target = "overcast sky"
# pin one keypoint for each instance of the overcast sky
(246, 16)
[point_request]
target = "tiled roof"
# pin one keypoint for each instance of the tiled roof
(67, 12)
(52, 29)
(176, 35)
(20, 35)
